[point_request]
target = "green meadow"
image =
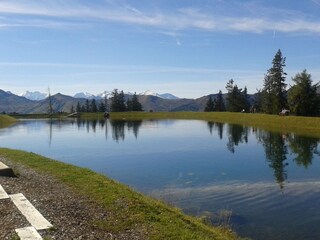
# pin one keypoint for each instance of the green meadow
(6, 121)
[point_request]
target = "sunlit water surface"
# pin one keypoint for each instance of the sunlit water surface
(265, 185)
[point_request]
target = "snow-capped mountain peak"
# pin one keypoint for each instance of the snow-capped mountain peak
(168, 96)
(87, 95)
(36, 96)
(164, 95)
(148, 92)
(84, 95)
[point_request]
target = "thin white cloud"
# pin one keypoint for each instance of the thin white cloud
(316, 2)
(179, 19)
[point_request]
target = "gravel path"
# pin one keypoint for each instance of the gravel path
(71, 214)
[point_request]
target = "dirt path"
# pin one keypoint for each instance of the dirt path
(73, 216)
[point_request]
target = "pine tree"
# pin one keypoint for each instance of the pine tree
(102, 107)
(274, 90)
(122, 105)
(78, 108)
(129, 105)
(302, 97)
(219, 105)
(237, 100)
(209, 105)
(117, 101)
(87, 106)
(136, 105)
(245, 99)
(83, 108)
(257, 103)
(93, 106)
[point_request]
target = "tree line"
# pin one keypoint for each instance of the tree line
(300, 99)
(118, 104)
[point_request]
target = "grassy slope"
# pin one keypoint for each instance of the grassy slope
(128, 209)
(6, 121)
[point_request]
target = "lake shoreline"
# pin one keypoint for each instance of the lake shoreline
(305, 126)
(68, 195)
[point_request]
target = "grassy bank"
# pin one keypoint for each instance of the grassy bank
(6, 121)
(128, 209)
(309, 126)
(40, 116)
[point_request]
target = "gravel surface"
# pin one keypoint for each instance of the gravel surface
(71, 214)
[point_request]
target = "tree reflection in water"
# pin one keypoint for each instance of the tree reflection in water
(117, 127)
(236, 134)
(277, 146)
(216, 126)
(304, 149)
(276, 153)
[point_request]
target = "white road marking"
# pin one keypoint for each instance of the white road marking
(30, 212)
(28, 233)
(3, 194)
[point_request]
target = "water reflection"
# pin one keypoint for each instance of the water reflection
(216, 126)
(276, 146)
(236, 134)
(276, 151)
(118, 128)
(304, 149)
(134, 126)
(198, 166)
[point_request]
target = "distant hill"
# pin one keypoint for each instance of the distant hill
(158, 104)
(60, 103)
(10, 103)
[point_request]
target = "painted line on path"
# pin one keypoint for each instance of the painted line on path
(34, 217)
(3, 194)
(28, 233)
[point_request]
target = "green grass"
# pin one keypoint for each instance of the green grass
(40, 116)
(309, 126)
(127, 208)
(6, 121)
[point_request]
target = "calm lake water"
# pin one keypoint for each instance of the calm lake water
(265, 185)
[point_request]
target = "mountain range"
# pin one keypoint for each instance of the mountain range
(11, 103)
(37, 96)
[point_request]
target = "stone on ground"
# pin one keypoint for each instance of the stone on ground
(6, 171)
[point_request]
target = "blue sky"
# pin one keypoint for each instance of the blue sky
(188, 48)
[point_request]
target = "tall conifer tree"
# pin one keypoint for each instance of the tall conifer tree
(209, 105)
(274, 91)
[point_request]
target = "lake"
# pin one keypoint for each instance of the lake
(264, 185)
